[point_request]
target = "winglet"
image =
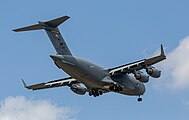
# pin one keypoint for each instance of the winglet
(162, 51)
(24, 83)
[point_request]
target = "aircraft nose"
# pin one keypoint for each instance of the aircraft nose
(56, 57)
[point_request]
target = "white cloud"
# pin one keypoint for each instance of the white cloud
(20, 108)
(176, 67)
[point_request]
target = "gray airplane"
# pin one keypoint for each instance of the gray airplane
(85, 77)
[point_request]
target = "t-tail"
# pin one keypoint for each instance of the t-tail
(51, 28)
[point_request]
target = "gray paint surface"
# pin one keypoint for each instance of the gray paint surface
(96, 79)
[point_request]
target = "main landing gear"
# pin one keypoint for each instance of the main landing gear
(95, 93)
(115, 88)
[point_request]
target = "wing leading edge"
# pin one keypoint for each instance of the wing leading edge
(138, 65)
(55, 83)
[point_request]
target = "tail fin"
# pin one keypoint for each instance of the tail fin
(51, 28)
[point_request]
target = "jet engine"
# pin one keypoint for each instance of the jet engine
(78, 89)
(153, 72)
(141, 77)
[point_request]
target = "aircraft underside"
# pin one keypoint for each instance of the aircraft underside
(101, 81)
(128, 79)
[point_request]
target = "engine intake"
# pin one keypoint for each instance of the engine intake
(153, 72)
(141, 77)
(80, 90)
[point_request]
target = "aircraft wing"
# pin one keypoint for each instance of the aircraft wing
(55, 83)
(138, 65)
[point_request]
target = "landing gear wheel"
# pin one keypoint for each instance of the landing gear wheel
(119, 88)
(95, 92)
(100, 92)
(90, 94)
(115, 88)
(112, 87)
(139, 99)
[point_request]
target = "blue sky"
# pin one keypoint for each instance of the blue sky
(108, 33)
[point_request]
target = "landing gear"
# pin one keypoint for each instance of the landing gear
(90, 94)
(115, 88)
(139, 99)
(100, 92)
(95, 93)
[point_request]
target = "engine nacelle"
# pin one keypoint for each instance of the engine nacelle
(153, 72)
(141, 77)
(78, 89)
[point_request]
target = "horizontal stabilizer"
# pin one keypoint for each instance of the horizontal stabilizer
(44, 25)
(56, 22)
(32, 27)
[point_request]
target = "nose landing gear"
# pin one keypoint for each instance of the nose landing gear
(139, 99)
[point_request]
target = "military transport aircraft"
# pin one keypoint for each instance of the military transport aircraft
(85, 77)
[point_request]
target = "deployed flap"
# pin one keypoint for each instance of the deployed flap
(138, 65)
(55, 83)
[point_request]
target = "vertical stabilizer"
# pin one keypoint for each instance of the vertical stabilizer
(51, 28)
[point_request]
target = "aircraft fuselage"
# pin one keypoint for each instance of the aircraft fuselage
(95, 77)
